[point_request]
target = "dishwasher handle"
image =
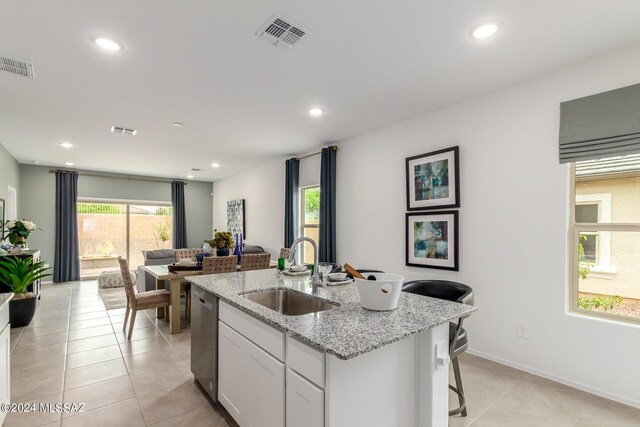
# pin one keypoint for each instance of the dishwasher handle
(206, 304)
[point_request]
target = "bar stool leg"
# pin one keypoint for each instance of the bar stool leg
(462, 409)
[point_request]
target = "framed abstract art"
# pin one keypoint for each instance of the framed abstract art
(432, 240)
(235, 217)
(433, 180)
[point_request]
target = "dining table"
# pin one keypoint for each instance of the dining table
(161, 274)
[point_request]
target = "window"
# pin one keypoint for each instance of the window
(606, 238)
(108, 230)
(310, 220)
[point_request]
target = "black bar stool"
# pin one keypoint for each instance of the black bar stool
(458, 342)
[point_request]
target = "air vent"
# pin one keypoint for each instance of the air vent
(197, 169)
(17, 66)
(124, 131)
(281, 32)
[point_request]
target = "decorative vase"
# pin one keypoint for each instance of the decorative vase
(20, 242)
(222, 251)
(21, 311)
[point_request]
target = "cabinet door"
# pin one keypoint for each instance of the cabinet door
(305, 402)
(266, 385)
(233, 374)
(5, 363)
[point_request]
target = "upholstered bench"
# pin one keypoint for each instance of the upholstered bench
(113, 279)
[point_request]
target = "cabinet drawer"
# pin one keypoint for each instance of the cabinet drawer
(306, 360)
(265, 336)
(305, 402)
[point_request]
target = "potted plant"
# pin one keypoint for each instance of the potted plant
(222, 241)
(18, 274)
(18, 231)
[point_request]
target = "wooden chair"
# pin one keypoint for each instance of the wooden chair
(284, 253)
(185, 287)
(219, 264)
(255, 262)
(140, 300)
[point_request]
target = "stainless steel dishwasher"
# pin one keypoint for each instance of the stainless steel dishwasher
(204, 340)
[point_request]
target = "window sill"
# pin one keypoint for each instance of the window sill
(602, 272)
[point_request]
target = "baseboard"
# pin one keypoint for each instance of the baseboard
(562, 380)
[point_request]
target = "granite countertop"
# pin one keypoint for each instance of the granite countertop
(346, 331)
(4, 299)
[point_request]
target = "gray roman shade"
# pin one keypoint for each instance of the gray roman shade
(602, 125)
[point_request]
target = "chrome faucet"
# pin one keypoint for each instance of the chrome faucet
(315, 279)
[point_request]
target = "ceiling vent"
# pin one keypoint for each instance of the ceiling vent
(281, 32)
(197, 169)
(17, 66)
(124, 131)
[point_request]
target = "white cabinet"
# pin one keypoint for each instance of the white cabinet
(5, 364)
(232, 373)
(251, 383)
(305, 402)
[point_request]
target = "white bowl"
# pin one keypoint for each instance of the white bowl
(298, 268)
(337, 276)
(381, 294)
(185, 261)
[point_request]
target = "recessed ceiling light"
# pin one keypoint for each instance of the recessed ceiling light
(66, 144)
(190, 176)
(108, 44)
(69, 163)
(215, 165)
(178, 124)
(316, 111)
(485, 30)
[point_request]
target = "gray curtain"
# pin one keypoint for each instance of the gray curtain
(292, 173)
(66, 265)
(599, 126)
(327, 244)
(179, 218)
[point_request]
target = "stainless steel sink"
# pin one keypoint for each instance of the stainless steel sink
(288, 302)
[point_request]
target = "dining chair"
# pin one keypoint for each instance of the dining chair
(219, 264)
(185, 287)
(139, 300)
(284, 252)
(255, 261)
(458, 341)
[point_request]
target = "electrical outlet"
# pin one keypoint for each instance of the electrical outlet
(523, 330)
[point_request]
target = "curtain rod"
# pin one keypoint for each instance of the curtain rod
(335, 148)
(119, 176)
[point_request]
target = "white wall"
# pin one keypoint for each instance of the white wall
(263, 191)
(513, 222)
(9, 175)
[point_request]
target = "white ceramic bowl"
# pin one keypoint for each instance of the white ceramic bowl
(184, 261)
(381, 294)
(337, 276)
(298, 268)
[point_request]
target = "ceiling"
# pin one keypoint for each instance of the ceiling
(368, 63)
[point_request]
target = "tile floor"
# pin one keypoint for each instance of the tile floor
(75, 351)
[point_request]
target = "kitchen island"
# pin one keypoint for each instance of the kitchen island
(344, 366)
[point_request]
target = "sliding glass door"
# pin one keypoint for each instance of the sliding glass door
(108, 230)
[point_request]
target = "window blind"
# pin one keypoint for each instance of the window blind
(602, 125)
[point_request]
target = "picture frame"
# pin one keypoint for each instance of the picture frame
(431, 240)
(235, 218)
(433, 180)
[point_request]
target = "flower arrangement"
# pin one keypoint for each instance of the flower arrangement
(221, 240)
(19, 230)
